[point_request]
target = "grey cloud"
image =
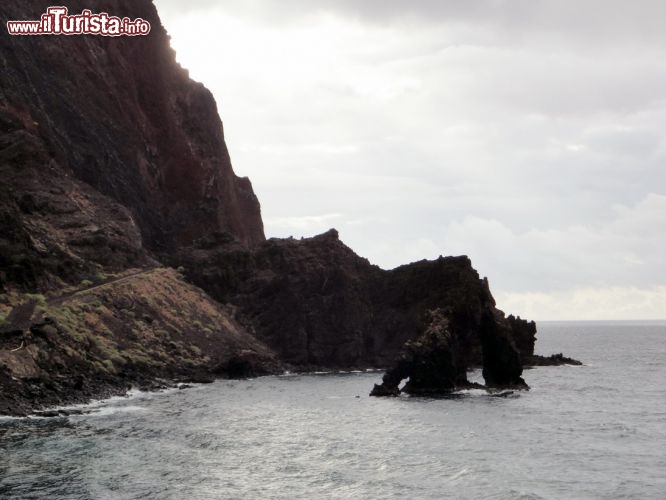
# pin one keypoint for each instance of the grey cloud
(611, 20)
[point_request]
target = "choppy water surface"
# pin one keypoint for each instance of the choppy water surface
(597, 431)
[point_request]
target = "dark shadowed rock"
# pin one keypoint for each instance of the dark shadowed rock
(437, 361)
(429, 362)
(523, 334)
(435, 358)
(246, 364)
(502, 366)
(385, 389)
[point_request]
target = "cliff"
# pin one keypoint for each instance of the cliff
(119, 114)
(114, 166)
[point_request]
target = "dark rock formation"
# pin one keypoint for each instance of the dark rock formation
(437, 361)
(430, 363)
(502, 366)
(319, 305)
(552, 360)
(523, 334)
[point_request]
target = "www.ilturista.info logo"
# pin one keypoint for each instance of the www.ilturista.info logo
(57, 22)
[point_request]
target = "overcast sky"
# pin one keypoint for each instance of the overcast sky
(529, 135)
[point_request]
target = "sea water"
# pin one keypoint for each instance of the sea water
(592, 431)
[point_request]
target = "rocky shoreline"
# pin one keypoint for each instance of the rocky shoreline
(68, 402)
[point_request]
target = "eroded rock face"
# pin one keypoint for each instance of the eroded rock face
(119, 114)
(55, 229)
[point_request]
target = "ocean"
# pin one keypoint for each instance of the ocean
(592, 431)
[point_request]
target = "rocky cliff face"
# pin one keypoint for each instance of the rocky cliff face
(119, 114)
(55, 229)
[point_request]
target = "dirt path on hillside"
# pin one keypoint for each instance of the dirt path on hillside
(56, 301)
(20, 317)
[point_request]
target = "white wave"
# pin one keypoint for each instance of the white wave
(457, 475)
(7, 418)
(95, 406)
(472, 392)
(106, 411)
